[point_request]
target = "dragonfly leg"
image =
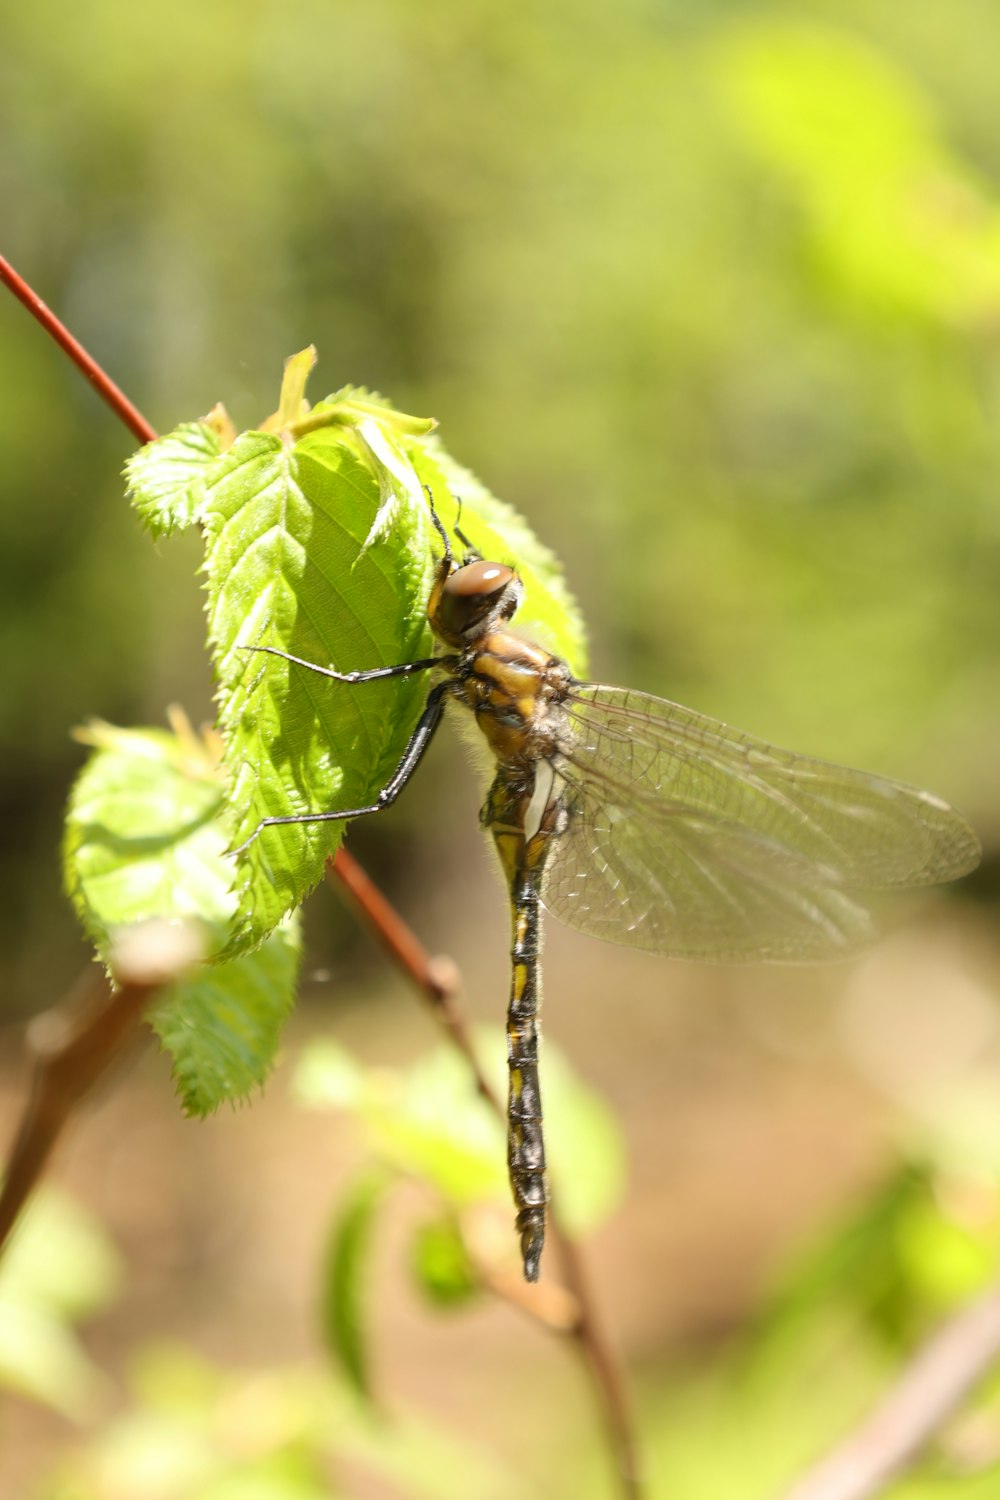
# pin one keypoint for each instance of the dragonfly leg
(373, 674)
(412, 756)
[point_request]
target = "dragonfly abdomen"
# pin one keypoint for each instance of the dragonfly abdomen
(523, 861)
(526, 1145)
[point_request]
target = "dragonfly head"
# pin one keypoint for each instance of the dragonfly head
(468, 601)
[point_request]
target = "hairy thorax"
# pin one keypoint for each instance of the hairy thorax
(516, 691)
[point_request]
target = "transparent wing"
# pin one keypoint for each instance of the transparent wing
(692, 839)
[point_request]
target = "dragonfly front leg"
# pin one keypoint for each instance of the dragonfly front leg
(373, 674)
(412, 756)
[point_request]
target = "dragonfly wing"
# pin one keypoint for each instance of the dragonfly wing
(693, 839)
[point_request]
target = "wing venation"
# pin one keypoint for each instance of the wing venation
(696, 840)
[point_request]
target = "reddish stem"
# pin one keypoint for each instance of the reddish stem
(102, 383)
(436, 979)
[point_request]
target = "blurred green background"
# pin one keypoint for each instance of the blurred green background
(711, 292)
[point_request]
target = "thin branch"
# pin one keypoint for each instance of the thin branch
(603, 1363)
(76, 1042)
(436, 979)
(930, 1389)
(99, 379)
(545, 1302)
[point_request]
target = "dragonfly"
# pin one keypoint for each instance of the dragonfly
(643, 822)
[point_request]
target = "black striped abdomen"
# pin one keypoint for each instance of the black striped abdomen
(508, 816)
(525, 1143)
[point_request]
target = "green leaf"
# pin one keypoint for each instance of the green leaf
(442, 1266)
(429, 1122)
(426, 1121)
(166, 479)
(943, 1261)
(347, 1277)
(58, 1268)
(904, 1258)
(435, 1126)
(288, 567)
(328, 1077)
(144, 839)
(352, 403)
(41, 1359)
(60, 1259)
(320, 545)
(222, 1024)
(293, 404)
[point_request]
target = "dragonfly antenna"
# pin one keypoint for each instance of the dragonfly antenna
(472, 554)
(439, 527)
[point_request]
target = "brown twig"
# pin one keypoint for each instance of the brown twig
(949, 1366)
(99, 379)
(95, 1020)
(436, 979)
(602, 1362)
(75, 1043)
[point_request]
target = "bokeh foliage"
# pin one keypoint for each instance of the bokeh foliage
(708, 289)
(828, 1337)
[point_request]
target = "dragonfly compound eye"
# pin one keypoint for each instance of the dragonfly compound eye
(475, 597)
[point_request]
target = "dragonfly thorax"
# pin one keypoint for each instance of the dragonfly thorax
(468, 601)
